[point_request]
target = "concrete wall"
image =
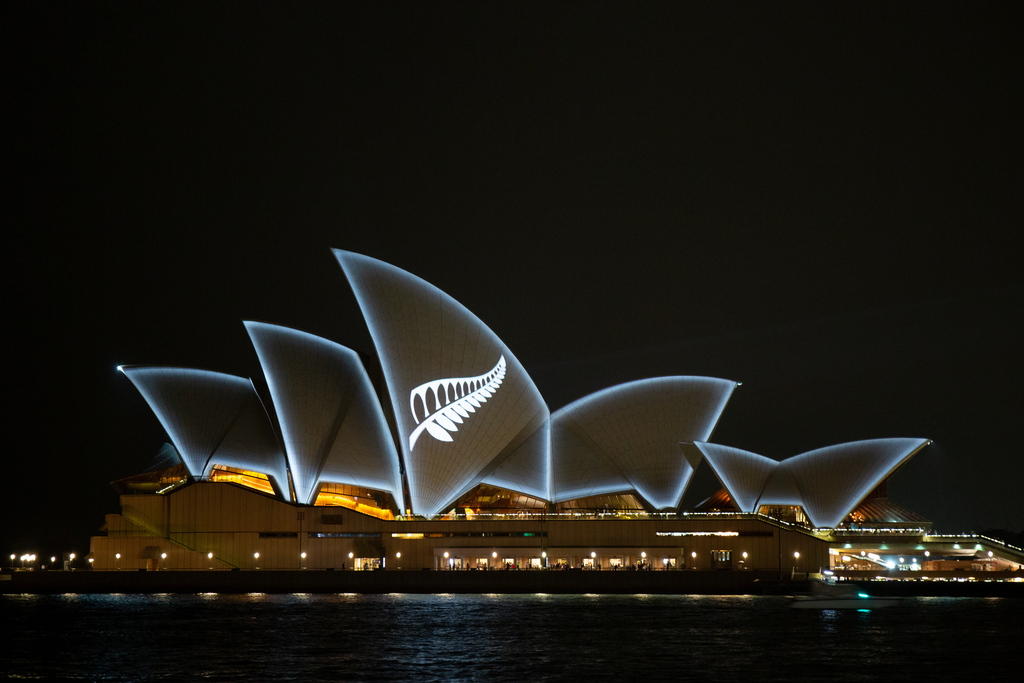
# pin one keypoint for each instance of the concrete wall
(235, 523)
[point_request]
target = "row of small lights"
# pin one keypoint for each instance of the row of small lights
(398, 555)
(32, 557)
(593, 555)
(892, 565)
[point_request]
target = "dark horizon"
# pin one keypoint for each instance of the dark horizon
(816, 201)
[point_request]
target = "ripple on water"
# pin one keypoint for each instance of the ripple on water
(451, 636)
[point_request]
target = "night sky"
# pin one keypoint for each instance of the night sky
(819, 200)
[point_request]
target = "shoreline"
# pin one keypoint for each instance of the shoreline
(511, 582)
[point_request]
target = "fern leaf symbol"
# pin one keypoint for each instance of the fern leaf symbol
(444, 404)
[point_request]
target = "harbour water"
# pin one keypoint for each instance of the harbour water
(307, 637)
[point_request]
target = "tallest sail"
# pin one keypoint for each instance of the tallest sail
(465, 408)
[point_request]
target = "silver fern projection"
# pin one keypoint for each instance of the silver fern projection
(461, 397)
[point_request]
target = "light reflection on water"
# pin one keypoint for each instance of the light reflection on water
(452, 636)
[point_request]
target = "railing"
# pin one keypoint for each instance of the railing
(869, 531)
(944, 538)
(561, 516)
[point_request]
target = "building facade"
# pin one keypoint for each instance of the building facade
(457, 463)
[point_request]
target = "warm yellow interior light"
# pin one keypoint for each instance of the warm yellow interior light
(247, 478)
(329, 499)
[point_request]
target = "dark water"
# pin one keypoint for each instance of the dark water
(478, 637)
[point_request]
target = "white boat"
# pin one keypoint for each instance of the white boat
(840, 596)
(811, 602)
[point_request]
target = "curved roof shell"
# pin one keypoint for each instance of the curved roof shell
(212, 418)
(835, 479)
(331, 422)
(465, 407)
(742, 473)
(628, 437)
(827, 482)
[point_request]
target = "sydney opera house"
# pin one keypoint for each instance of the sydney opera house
(443, 454)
